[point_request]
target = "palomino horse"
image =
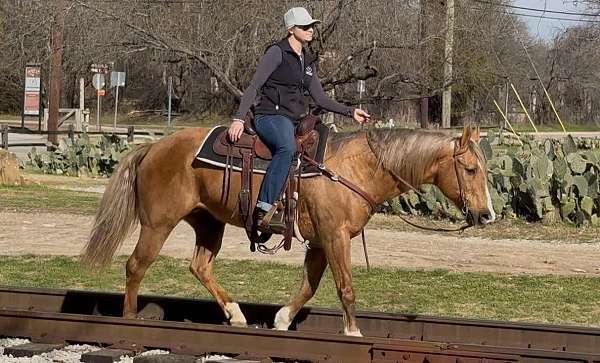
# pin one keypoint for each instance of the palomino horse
(161, 184)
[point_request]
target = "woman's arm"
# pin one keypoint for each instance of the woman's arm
(321, 99)
(267, 65)
(318, 95)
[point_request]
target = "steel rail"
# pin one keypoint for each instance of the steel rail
(389, 337)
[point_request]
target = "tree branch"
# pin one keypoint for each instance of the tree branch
(157, 43)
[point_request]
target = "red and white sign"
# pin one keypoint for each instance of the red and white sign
(31, 103)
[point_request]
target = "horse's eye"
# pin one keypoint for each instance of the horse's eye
(471, 171)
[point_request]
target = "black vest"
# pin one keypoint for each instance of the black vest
(284, 91)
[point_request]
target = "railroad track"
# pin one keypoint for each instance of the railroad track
(195, 327)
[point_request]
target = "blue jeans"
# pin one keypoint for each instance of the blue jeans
(277, 132)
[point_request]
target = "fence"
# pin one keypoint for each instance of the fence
(5, 130)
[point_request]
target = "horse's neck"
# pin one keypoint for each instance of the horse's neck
(415, 167)
(357, 163)
(420, 170)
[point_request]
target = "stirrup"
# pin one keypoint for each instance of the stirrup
(272, 222)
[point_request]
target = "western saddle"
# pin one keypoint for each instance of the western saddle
(248, 147)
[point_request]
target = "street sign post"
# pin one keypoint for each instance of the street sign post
(32, 99)
(361, 91)
(98, 82)
(117, 79)
(170, 90)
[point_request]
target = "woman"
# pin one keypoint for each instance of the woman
(283, 75)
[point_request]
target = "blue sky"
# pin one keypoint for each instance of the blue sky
(546, 28)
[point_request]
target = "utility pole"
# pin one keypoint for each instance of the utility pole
(56, 68)
(506, 100)
(447, 95)
(424, 106)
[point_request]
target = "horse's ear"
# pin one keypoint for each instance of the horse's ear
(466, 136)
(475, 134)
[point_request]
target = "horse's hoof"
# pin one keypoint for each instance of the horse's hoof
(235, 315)
(353, 333)
(282, 319)
(238, 324)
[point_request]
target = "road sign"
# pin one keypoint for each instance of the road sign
(117, 79)
(31, 103)
(98, 81)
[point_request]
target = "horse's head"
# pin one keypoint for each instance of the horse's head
(462, 177)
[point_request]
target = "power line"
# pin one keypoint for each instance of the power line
(535, 9)
(539, 16)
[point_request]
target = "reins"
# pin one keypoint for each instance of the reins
(457, 152)
(373, 205)
(338, 178)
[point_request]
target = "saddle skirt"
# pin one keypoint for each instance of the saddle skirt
(215, 147)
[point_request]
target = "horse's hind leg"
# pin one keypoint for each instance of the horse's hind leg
(314, 266)
(209, 235)
(149, 244)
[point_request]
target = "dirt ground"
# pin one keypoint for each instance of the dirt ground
(65, 234)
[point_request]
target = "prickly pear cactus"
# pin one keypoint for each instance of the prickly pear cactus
(540, 180)
(80, 156)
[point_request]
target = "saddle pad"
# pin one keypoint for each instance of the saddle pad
(207, 155)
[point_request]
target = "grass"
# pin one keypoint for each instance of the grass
(159, 121)
(147, 121)
(38, 198)
(36, 176)
(548, 299)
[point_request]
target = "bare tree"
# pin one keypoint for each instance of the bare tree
(380, 41)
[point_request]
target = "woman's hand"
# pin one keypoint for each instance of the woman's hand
(235, 130)
(361, 116)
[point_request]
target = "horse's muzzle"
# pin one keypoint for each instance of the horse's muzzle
(479, 218)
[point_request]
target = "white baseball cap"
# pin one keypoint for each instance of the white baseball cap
(298, 16)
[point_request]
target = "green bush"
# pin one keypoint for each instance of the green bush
(80, 157)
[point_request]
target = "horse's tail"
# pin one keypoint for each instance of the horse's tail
(118, 211)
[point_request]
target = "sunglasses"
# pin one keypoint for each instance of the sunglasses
(305, 27)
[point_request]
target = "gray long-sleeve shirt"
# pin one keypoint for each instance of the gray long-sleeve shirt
(267, 65)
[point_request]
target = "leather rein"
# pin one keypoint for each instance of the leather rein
(464, 210)
(373, 205)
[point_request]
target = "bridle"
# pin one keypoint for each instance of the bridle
(457, 152)
(461, 189)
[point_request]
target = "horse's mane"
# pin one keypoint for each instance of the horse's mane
(408, 153)
(337, 140)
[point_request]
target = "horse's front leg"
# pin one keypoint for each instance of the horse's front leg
(337, 249)
(314, 265)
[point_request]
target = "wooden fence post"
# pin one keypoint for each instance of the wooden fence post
(130, 133)
(4, 139)
(71, 133)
